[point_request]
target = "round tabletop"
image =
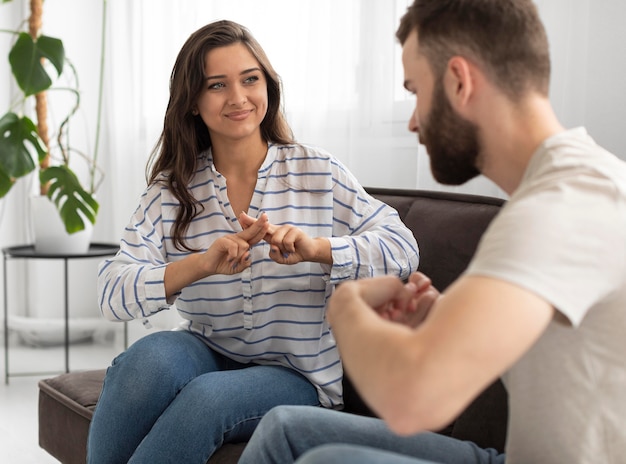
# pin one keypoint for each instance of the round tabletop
(28, 251)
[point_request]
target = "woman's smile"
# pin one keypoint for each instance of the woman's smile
(239, 115)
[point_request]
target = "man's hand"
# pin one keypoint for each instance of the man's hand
(422, 296)
(290, 245)
(389, 297)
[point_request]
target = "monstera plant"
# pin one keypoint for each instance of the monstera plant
(37, 63)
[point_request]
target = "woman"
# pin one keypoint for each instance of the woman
(247, 232)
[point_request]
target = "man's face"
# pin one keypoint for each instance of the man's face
(450, 140)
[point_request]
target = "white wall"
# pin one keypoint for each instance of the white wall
(606, 71)
(588, 46)
(588, 50)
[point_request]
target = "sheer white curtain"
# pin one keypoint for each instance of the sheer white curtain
(339, 63)
(342, 80)
(342, 76)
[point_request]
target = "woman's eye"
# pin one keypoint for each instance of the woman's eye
(215, 86)
(251, 79)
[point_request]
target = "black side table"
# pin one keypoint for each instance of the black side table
(28, 252)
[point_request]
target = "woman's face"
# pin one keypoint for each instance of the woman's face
(234, 101)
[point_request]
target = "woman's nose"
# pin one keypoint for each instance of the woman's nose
(237, 95)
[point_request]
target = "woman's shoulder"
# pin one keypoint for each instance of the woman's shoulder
(301, 152)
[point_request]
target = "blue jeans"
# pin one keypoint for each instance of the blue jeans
(309, 435)
(169, 398)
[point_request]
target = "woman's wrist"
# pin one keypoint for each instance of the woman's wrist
(323, 253)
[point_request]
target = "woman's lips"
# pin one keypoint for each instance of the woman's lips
(238, 115)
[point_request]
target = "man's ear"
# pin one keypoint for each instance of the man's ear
(459, 82)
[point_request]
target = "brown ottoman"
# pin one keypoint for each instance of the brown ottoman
(66, 405)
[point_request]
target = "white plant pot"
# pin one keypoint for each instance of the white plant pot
(50, 236)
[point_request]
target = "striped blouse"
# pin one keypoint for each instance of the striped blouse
(269, 313)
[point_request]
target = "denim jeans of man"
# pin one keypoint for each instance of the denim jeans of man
(170, 399)
(309, 435)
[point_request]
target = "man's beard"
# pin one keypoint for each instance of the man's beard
(451, 141)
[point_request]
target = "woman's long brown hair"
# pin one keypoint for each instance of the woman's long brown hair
(185, 135)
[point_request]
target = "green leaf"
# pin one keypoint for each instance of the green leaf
(25, 58)
(72, 201)
(5, 183)
(15, 132)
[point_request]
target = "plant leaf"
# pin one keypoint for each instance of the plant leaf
(25, 58)
(5, 183)
(15, 158)
(73, 202)
(52, 48)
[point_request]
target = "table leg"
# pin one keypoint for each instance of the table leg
(67, 318)
(6, 323)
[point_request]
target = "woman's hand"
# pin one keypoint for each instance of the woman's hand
(290, 244)
(230, 254)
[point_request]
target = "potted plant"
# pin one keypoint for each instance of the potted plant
(37, 63)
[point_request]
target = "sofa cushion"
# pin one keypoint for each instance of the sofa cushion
(446, 225)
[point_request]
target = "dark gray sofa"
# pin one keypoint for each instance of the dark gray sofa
(447, 227)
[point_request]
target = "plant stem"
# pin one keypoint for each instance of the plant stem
(41, 103)
(65, 146)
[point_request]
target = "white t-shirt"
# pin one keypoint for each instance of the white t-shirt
(562, 235)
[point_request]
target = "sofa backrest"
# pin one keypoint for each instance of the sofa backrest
(447, 227)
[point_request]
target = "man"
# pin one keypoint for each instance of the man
(543, 302)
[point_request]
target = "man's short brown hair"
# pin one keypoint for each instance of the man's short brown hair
(505, 37)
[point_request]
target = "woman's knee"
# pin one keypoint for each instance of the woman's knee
(169, 358)
(166, 344)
